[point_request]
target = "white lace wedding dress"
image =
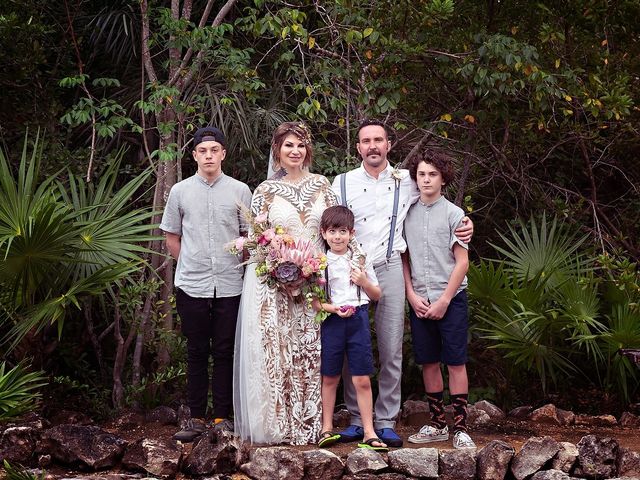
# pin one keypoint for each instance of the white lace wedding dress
(277, 358)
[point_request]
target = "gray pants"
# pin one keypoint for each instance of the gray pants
(389, 324)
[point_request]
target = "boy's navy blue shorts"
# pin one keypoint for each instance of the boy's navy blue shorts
(350, 336)
(443, 340)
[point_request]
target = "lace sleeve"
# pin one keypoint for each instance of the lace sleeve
(258, 201)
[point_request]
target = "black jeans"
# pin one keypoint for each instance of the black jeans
(210, 327)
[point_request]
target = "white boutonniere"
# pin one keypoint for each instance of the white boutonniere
(396, 174)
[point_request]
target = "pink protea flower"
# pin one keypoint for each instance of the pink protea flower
(298, 253)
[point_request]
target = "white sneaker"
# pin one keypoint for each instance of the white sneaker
(462, 441)
(429, 434)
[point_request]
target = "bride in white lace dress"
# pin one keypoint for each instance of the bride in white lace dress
(277, 358)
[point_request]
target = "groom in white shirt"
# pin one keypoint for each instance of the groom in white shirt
(379, 197)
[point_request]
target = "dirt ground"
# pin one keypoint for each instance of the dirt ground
(513, 432)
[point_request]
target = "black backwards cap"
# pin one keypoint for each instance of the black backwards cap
(208, 134)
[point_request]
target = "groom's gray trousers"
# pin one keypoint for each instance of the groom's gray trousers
(389, 325)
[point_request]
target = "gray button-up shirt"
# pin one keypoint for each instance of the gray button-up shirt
(207, 216)
(429, 231)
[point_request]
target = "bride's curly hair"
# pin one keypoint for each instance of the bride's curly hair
(300, 130)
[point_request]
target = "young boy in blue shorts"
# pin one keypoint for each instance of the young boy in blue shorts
(346, 330)
(435, 267)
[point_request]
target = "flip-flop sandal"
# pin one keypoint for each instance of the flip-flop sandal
(369, 443)
(328, 438)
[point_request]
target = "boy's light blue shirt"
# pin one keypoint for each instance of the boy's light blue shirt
(429, 232)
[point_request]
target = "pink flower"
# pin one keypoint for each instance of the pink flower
(269, 234)
(266, 236)
(276, 242)
(314, 264)
(239, 243)
(321, 281)
(261, 218)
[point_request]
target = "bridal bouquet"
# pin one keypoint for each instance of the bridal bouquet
(293, 265)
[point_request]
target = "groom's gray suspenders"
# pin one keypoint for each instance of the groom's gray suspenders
(394, 216)
(343, 189)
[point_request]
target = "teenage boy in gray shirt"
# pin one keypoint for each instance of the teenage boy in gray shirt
(435, 266)
(201, 215)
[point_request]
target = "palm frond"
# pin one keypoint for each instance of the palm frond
(523, 337)
(55, 308)
(546, 251)
(18, 390)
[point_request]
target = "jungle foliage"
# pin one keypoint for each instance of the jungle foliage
(538, 102)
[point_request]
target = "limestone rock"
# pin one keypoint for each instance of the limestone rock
(341, 418)
(159, 457)
(546, 414)
(521, 413)
(86, 446)
(415, 413)
(216, 451)
(566, 457)
(128, 420)
(415, 462)
(105, 476)
(163, 415)
(550, 475)
(365, 460)
(493, 460)
(629, 420)
(373, 476)
(362, 476)
(322, 464)
(566, 417)
(183, 414)
(596, 457)
(596, 420)
(17, 444)
(534, 454)
(477, 417)
(495, 413)
(628, 463)
(277, 463)
(457, 465)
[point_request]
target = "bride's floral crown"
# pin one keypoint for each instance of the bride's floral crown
(302, 131)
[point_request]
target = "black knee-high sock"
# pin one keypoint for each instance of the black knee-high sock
(437, 409)
(459, 402)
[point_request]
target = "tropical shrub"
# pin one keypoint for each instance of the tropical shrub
(62, 241)
(543, 305)
(18, 390)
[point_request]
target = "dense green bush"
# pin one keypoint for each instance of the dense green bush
(547, 306)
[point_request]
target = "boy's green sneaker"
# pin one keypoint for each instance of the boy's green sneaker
(192, 430)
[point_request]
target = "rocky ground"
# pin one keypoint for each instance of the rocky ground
(546, 443)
